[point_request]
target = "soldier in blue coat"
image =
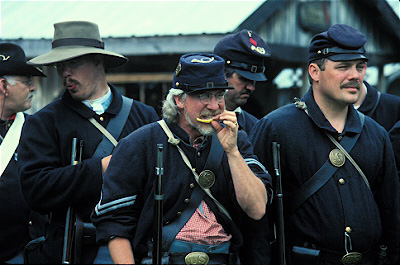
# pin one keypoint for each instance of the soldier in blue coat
(340, 185)
(16, 94)
(204, 157)
(383, 108)
(89, 108)
(244, 53)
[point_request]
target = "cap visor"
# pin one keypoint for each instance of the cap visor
(252, 76)
(209, 88)
(347, 57)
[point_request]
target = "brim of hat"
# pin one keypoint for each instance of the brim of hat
(209, 88)
(22, 69)
(346, 57)
(252, 76)
(65, 53)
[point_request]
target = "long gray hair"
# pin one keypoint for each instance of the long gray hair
(170, 110)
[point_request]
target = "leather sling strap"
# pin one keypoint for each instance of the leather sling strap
(371, 112)
(323, 174)
(113, 130)
(171, 230)
(174, 141)
(104, 148)
(213, 163)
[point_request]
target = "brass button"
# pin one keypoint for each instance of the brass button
(342, 181)
(186, 200)
(30, 223)
(340, 138)
(179, 213)
(348, 229)
(101, 119)
(198, 154)
(191, 185)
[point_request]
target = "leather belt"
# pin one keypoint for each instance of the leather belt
(334, 257)
(201, 258)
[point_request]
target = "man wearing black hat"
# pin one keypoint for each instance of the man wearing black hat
(92, 112)
(244, 53)
(339, 177)
(209, 186)
(16, 92)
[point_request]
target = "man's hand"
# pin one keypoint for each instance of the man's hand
(104, 163)
(227, 135)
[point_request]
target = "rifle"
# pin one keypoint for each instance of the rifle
(158, 207)
(279, 203)
(70, 218)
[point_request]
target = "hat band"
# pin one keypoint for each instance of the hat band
(337, 50)
(78, 41)
(250, 68)
(207, 85)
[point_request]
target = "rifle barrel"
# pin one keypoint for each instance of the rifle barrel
(279, 203)
(158, 207)
(69, 219)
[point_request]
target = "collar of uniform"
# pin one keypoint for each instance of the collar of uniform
(353, 123)
(114, 108)
(238, 110)
(370, 99)
(183, 136)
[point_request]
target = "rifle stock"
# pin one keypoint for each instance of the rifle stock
(279, 203)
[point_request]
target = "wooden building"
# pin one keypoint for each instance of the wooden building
(286, 25)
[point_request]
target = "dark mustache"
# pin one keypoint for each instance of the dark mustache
(246, 92)
(351, 84)
(70, 82)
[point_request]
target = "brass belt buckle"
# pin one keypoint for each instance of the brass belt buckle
(352, 258)
(197, 258)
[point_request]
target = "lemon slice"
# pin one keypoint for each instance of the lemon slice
(205, 120)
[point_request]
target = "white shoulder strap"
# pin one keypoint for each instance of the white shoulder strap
(11, 141)
(103, 131)
(174, 141)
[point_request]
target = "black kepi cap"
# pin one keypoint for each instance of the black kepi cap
(13, 62)
(244, 51)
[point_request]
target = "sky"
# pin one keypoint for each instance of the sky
(35, 19)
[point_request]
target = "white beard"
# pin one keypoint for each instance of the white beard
(207, 130)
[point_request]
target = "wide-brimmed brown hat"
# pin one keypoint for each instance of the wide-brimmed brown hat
(13, 62)
(77, 38)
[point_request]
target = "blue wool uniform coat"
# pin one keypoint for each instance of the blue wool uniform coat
(127, 204)
(16, 216)
(373, 215)
(387, 113)
(49, 183)
(246, 121)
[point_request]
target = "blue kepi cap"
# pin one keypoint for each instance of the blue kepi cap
(200, 71)
(339, 43)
